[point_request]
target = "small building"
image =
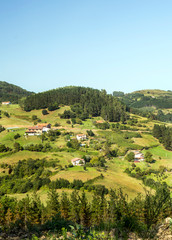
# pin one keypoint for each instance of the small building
(81, 137)
(45, 127)
(6, 103)
(138, 156)
(78, 161)
(99, 121)
(38, 129)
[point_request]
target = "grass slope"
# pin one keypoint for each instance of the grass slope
(114, 176)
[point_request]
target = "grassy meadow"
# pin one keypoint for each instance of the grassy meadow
(114, 176)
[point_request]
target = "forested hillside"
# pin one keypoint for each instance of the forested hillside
(149, 98)
(149, 103)
(90, 102)
(12, 93)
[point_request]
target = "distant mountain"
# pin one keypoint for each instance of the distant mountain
(12, 93)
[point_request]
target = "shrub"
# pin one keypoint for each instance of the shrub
(17, 136)
(6, 114)
(44, 112)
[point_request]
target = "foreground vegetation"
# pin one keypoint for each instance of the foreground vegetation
(101, 213)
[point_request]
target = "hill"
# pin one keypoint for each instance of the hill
(11, 92)
(32, 165)
(155, 104)
(155, 92)
(85, 101)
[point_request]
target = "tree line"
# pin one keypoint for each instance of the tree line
(164, 135)
(101, 212)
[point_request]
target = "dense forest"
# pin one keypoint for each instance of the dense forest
(164, 135)
(12, 93)
(91, 102)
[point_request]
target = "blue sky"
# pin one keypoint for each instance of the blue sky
(117, 45)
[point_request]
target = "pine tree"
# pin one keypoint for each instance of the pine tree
(75, 207)
(84, 211)
(65, 205)
(53, 202)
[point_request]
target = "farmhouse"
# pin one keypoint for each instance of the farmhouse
(38, 129)
(78, 161)
(138, 156)
(6, 103)
(81, 137)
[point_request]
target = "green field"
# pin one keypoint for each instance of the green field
(114, 176)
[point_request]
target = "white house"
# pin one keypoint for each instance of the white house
(78, 161)
(138, 156)
(81, 137)
(6, 103)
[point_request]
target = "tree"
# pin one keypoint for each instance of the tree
(75, 207)
(148, 157)
(17, 136)
(64, 205)
(44, 112)
(34, 117)
(85, 211)
(17, 146)
(90, 133)
(53, 202)
(6, 114)
(130, 157)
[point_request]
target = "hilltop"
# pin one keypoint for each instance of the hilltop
(11, 92)
(154, 104)
(155, 92)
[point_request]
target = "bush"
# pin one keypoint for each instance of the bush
(34, 117)
(130, 157)
(90, 133)
(1, 128)
(53, 107)
(6, 114)
(17, 136)
(44, 112)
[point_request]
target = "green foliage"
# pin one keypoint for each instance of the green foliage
(148, 157)
(6, 114)
(17, 136)
(138, 215)
(53, 107)
(34, 117)
(73, 143)
(12, 93)
(17, 146)
(3, 148)
(44, 112)
(1, 128)
(130, 157)
(164, 135)
(118, 94)
(83, 102)
(139, 100)
(90, 133)
(38, 147)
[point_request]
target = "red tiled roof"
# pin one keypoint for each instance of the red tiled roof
(99, 121)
